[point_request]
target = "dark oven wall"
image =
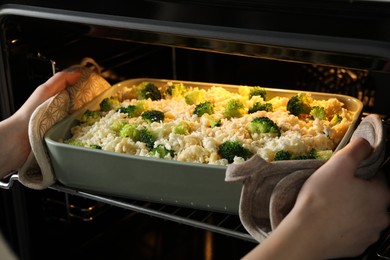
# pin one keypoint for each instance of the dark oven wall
(31, 45)
(32, 49)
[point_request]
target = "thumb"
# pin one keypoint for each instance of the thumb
(358, 149)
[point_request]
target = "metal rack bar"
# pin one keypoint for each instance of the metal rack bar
(148, 209)
(162, 211)
(7, 185)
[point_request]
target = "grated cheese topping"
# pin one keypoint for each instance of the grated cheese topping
(200, 143)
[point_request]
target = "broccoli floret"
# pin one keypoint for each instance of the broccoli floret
(258, 91)
(117, 125)
(133, 110)
(195, 97)
(258, 106)
(313, 154)
(285, 155)
(147, 137)
(176, 90)
(95, 146)
(183, 128)
(282, 155)
(215, 123)
(161, 151)
(336, 120)
(323, 155)
(263, 125)
(143, 135)
(90, 117)
(299, 104)
(307, 156)
(318, 112)
(211, 120)
(203, 108)
(148, 90)
(231, 148)
(130, 110)
(234, 108)
(153, 116)
(131, 131)
(109, 103)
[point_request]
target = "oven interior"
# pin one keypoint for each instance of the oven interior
(61, 222)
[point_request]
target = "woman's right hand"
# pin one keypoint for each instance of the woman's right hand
(347, 213)
(336, 213)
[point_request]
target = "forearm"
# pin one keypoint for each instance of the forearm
(289, 241)
(12, 132)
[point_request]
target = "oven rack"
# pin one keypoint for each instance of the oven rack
(222, 223)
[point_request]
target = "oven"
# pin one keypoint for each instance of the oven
(328, 46)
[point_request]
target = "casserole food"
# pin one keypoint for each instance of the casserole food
(184, 183)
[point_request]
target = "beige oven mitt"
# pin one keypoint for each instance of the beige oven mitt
(37, 173)
(270, 188)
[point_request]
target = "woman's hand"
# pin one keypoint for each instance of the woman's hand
(336, 214)
(14, 130)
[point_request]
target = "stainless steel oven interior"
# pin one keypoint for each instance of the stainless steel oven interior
(37, 42)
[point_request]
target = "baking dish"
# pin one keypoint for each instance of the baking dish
(193, 185)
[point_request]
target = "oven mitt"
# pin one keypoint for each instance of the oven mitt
(37, 173)
(270, 189)
(259, 179)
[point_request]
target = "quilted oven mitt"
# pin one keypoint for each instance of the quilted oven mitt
(270, 188)
(36, 173)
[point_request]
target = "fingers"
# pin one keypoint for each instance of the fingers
(381, 187)
(358, 149)
(52, 86)
(59, 82)
(346, 161)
